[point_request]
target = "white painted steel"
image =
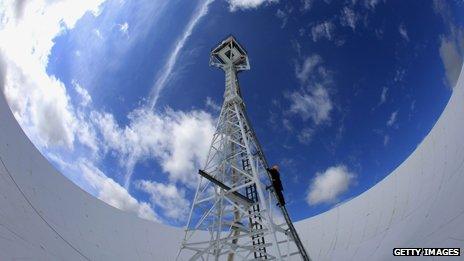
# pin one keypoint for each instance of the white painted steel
(237, 230)
(44, 216)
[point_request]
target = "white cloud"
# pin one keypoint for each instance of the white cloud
(312, 104)
(349, 18)
(412, 108)
(212, 104)
(166, 71)
(20, 5)
(83, 93)
(168, 197)
(282, 15)
(39, 102)
(307, 4)
(287, 124)
(327, 186)
(399, 75)
(114, 194)
(452, 53)
(310, 63)
(48, 109)
(371, 4)
(235, 5)
(383, 95)
(124, 28)
(386, 140)
(392, 119)
(452, 44)
(413, 105)
(2, 74)
(323, 30)
(98, 34)
(305, 135)
(188, 145)
(179, 140)
(403, 32)
(86, 133)
(312, 100)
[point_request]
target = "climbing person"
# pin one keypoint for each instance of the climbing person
(277, 184)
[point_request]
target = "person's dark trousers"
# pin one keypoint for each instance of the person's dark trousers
(280, 198)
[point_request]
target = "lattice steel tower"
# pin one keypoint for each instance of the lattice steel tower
(234, 214)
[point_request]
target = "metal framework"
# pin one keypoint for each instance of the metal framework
(234, 203)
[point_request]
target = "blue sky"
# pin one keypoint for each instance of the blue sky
(119, 96)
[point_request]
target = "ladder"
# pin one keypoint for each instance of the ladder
(255, 216)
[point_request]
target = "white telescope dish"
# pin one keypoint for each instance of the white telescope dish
(44, 216)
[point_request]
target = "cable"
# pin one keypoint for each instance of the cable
(41, 217)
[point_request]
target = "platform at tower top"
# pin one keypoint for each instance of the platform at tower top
(230, 53)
